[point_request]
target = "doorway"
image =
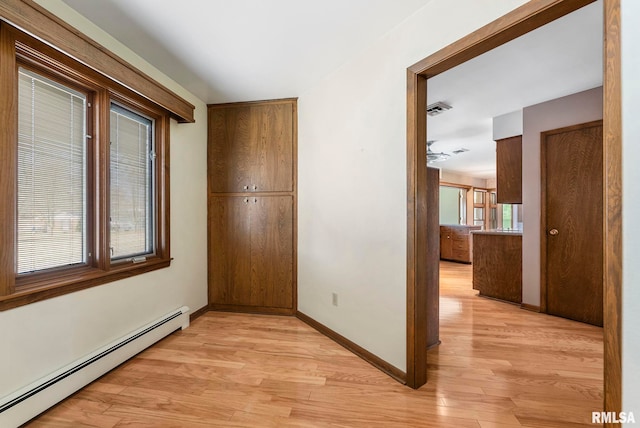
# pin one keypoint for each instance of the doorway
(518, 22)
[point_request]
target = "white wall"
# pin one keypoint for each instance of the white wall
(352, 210)
(631, 207)
(507, 125)
(566, 111)
(42, 337)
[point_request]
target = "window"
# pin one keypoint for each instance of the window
(453, 205)
(511, 216)
(52, 174)
(83, 175)
(479, 207)
(131, 167)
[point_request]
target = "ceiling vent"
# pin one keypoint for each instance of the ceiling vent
(460, 150)
(437, 108)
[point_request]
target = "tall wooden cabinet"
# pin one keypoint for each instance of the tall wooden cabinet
(252, 206)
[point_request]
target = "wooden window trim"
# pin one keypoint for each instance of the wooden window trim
(18, 49)
(39, 22)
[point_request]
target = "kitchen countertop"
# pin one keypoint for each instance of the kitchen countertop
(510, 232)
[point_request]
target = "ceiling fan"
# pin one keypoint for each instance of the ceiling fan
(440, 156)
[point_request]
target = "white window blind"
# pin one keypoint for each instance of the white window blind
(51, 174)
(131, 169)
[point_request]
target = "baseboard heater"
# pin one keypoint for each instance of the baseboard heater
(25, 404)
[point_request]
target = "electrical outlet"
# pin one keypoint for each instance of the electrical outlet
(334, 299)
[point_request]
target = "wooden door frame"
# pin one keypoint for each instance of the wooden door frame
(543, 202)
(528, 17)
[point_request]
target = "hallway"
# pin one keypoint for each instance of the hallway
(498, 366)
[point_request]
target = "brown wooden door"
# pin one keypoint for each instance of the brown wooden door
(272, 251)
(574, 237)
(229, 250)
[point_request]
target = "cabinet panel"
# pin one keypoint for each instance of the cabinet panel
(497, 266)
(229, 249)
(272, 251)
(230, 149)
(509, 170)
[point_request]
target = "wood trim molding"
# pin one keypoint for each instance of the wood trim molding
(528, 17)
(8, 162)
(459, 186)
(528, 307)
(264, 310)
(612, 131)
(416, 230)
(197, 314)
(36, 20)
(293, 100)
(543, 225)
(372, 359)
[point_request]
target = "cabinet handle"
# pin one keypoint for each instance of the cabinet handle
(246, 187)
(246, 200)
(255, 187)
(255, 200)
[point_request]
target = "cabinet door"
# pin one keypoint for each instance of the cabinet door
(229, 250)
(251, 148)
(509, 170)
(446, 248)
(272, 251)
(272, 134)
(230, 149)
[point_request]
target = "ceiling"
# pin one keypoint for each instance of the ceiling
(224, 51)
(561, 58)
(241, 50)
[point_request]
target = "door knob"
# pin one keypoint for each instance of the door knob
(553, 232)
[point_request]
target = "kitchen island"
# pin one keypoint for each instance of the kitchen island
(497, 264)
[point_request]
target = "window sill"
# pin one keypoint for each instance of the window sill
(35, 291)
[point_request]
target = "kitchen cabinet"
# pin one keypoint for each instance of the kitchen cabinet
(497, 265)
(456, 242)
(252, 206)
(509, 170)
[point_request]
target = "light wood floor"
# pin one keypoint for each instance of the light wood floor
(498, 366)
